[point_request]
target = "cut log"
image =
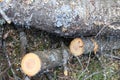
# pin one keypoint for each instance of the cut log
(43, 60)
(37, 61)
(79, 46)
(66, 17)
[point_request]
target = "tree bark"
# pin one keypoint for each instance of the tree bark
(66, 17)
(50, 58)
(100, 45)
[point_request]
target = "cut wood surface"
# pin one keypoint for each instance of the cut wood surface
(66, 17)
(31, 64)
(77, 47)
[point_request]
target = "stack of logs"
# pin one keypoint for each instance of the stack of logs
(34, 62)
(76, 18)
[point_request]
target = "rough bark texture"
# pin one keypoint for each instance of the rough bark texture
(50, 58)
(100, 45)
(66, 17)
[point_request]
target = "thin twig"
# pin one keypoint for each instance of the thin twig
(5, 71)
(117, 72)
(9, 63)
(80, 62)
(92, 75)
(86, 67)
(100, 31)
(111, 56)
(99, 59)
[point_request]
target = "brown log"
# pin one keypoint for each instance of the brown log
(66, 17)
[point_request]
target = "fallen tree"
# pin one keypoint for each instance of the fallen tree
(65, 17)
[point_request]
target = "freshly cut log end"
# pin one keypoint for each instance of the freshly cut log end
(31, 64)
(77, 47)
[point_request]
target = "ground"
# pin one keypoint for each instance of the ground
(94, 67)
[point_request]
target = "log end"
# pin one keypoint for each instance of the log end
(31, 64)
(77, 47)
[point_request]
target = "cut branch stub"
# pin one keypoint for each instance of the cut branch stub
(31, 64)
(77, 47)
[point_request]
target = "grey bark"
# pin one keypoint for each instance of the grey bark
(50, 58)
(103, 44)
(66, 17)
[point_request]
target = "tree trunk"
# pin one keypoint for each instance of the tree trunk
(66, 17)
